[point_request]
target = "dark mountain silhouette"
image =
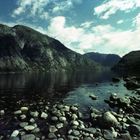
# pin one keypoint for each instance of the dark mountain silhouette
(108, 60)
(130, 63)
(24, 49)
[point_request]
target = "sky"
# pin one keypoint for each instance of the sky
(105, 26)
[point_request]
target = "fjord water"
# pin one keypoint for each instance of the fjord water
(71, 88)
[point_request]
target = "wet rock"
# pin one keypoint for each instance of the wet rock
(44, 115)
(93, 97)
(13, 138)
(52, 136)
(29, 127)
(138, 91)
(134, 129)
(109, 120)
(36, 130)
(15, 133)
(76, 123)
(74, 108)
(109, 134)
(63, 119)
(60, 106)
(2, 112)
(54, 118)
(18, 112)
(23, 117)
(28, 137)
(113, 97)
(75, 133)
(24, 109)
(124, 101)
(91, 130)
(32, 120)
(23, 124)
(34, 114)
(52, 129)
(60, 139)
(59, 125)
(66, 108)
(70, 137)
(132, 85)
(74, 116)
(94, 110)
(115, 79)
(81, 126)
(88, 138)
(125, 136)
(132, 120)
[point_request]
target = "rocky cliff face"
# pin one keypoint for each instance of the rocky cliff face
(24, 49)
(130, 63)
(108, 60)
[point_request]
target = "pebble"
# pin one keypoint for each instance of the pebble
(36, 130)
(66, 108)
(109, 119)
(44, 115)
(70, 137)
(23, 124)
(54, 118)
(63, 119)
(32, 120)
(73, 108)
(74, 116)
(15, 133)
(29, 127)
(23, 117)
(2, 112)
(34, 114)
(24, 109)
(60, 139)
(18, 112)
(52, 129)
(52, 136)
(59, 125)
(75, 133)
(28, 137)
(75, 123)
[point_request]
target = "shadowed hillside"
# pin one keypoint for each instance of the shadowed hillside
(24, 49)
(108, 60)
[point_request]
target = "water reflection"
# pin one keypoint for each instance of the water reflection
(70, 87)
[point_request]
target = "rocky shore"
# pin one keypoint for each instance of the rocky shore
(59, 121)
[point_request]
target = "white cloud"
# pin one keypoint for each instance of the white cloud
(32, 7)
(136, 21)
(65, 5)
(87, 24)
(65, 34)
(39, 7)
(110, 7)
(120, 21)
(44, 15)
(101, 38)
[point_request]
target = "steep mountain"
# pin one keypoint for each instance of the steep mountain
(104, 59)
(24, 49)
(130, 63)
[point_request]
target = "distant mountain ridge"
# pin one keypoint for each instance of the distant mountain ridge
(24, 49)
(130, 63)
(108, 60)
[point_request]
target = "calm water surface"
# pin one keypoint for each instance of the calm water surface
(71, 88)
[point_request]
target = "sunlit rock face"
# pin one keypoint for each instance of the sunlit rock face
(24, 49)
(130, 63)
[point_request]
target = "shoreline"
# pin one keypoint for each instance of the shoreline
(59, 121)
